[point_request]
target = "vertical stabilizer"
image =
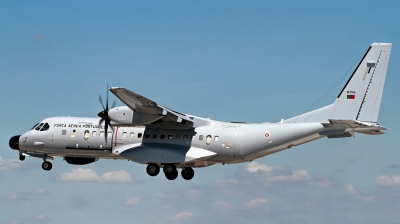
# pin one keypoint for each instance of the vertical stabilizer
(360, 98)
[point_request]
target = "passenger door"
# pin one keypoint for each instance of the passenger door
(228, 138)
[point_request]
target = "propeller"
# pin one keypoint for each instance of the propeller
(104, 116)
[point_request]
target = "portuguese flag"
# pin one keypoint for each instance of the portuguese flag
(351, 97)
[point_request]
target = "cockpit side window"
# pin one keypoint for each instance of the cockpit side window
(45, 127)
(39, 126)
(34, 126)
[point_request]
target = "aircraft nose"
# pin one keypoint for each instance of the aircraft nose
(14, 142)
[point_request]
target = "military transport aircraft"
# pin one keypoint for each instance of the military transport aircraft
(148, 133)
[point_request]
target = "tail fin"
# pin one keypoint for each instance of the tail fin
(360, 98)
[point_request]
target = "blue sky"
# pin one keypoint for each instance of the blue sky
(254, 61)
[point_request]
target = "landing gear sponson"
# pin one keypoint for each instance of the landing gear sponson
(170, 171)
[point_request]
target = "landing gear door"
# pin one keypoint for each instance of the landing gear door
(228, 138)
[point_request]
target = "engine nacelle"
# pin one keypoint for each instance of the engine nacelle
(80, 160)
(125, 116)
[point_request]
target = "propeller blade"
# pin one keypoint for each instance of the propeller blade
(101, 102)
(106, 132)
(107, 99)
(104, 116)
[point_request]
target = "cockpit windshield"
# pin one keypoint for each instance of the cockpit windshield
(42, 127)
(39, 126)
(34, 126)
(45, 127)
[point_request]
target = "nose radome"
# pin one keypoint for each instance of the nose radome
(14, 142)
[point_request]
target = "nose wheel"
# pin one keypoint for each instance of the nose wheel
(21, 157)
(47, 165)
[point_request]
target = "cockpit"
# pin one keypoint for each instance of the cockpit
(41, 127)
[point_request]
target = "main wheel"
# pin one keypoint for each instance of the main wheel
(187, 173)
(153, 169)
(172, 176)
(169, 168)
(21, 157)
(47, 165)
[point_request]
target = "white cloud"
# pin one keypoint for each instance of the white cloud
(269, 174)
(13, 197)
(254, 167)
(40, 218)
(351, 190)
(14, 222)
(359, 195)
(40, 191)
(132, 201)
(80, 175)
(389, 181)
(182, 216)
(11, 164)
(257, 202)
(120, 176)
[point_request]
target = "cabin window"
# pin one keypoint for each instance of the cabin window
(101, 134)
(201, 138)
(94, 133)
(216, 138)
(146, 135)
(39, 126)
(132, 135)
(64, 132)
(86, 135)
(162, 136)
(185, 136)
(73, 134)
(124, 134)
(208, 139)
(193, 137)
(169, 136)
(154, 135)
(45, 127)
(139, 135)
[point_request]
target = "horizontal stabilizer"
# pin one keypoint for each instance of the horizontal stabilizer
(357, 126)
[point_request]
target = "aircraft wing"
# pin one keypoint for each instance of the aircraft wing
(144, 105)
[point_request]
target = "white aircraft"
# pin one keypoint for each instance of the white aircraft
(148, 133)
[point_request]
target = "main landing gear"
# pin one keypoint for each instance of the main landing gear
(170, 171)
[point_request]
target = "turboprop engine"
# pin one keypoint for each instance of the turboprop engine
(124, 116)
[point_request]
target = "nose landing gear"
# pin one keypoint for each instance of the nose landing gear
(47, 165)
